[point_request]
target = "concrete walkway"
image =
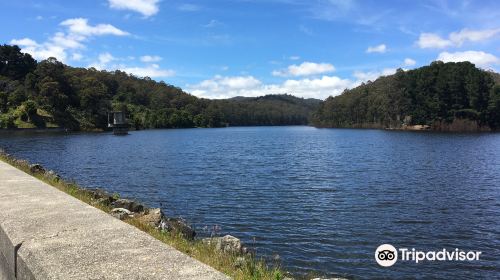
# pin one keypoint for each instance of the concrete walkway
(47, 234)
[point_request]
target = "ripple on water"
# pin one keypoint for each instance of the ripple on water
(322, 199)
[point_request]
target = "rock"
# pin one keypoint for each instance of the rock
(152, 217)
(128, 204)
(177, 226)
(101, 197)
(418, 127)
(98, 193)
(227, 244)
(121, 213)
(37, 168)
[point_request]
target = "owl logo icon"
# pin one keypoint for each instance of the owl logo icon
(386, 255)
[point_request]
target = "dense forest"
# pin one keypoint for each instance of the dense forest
(50, 94)
(439, 96)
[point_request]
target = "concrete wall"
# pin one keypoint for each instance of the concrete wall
(47, 234)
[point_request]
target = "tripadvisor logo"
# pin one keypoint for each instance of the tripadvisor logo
(386, 255)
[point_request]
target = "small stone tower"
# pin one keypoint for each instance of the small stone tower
(118, 122)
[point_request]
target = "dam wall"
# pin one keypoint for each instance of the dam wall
(48, 234)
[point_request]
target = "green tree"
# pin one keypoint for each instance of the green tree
(494, 107)
(4, 98)
(52, 95)
(15, 64)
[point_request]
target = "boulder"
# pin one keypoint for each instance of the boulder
(98, 193)
(152, 217)
(177, 225)
(128, 204)
(227, 244)
(101, 197)
(37, 168)
(121, 213)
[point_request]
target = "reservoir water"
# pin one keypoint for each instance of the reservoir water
(321, 199)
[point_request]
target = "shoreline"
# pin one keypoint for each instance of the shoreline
(410, 128)
(413, 128)
(226, 254)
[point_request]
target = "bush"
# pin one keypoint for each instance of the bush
(30, 108)
(7, 121)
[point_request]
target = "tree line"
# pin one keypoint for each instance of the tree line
(440, 92)
(51, 94)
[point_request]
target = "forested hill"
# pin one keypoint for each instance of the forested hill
(443, 96)
(51, 94)
(281, 109)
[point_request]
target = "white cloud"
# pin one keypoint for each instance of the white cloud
(455, 39)
(294, 57)
(321, 87)
(40, 51)
(226, 87)
(377, 49)
(80, 26)
(305, 69)
(144, 7)
(69, 41)
(317, 88)
(464, 35)
(103, 60)
(242, 82)
(149, 70)
(27, 42)
(409, 62)
(479, 58)
(151, 58)
(152, 71)
(76, 56)
(372, 75)
(73, 39)
(431, 40)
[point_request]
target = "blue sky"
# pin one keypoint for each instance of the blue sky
(225, 48)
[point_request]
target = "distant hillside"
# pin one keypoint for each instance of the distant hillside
(51, 94)
(281, 109)
(443, 96)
